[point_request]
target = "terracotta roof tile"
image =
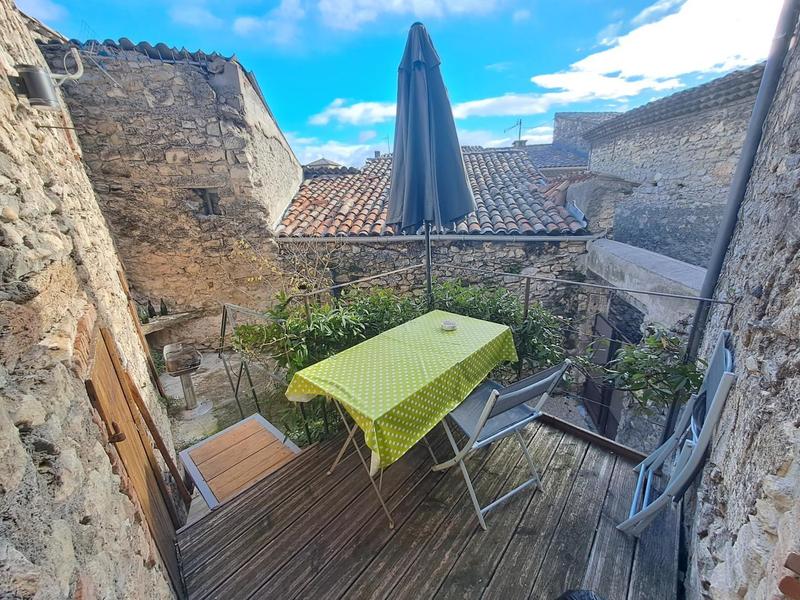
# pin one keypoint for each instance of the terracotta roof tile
(504, 181)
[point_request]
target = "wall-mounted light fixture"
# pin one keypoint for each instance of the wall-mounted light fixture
(39, 85)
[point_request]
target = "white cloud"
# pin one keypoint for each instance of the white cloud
(655, 10)
(499, 67)
(280, 26)
(367, 135)
(44, 10)
(193, 15)
(541, 134)
(703, 36)
(360, 113)
(352, 14)
(520, 15)
(351, 155)
(607, 36)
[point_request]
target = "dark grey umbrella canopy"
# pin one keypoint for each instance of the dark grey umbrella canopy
(429, 182)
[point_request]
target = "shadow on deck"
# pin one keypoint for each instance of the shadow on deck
(302, 534)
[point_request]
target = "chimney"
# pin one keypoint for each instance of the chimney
(519, 143)
(377, 153)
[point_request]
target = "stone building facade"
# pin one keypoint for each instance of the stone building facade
(70, 525)
(748, 503)
(570, 128)
(191, 171)
(680, 152)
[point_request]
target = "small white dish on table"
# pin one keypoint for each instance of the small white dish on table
(449, 325)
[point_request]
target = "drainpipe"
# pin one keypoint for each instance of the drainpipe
(766, 93)
(787, 21)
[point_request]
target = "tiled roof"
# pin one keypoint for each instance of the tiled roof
(504, 181)
(551, 156)
(310, 171)
(160, 51)
(722, 91)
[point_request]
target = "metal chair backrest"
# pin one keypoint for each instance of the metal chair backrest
(528, 389)
(721, 363)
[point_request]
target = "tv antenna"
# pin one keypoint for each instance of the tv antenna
(517, 126)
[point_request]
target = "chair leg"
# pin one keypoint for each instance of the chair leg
(430, 448)
(529, 458)
(467, 478)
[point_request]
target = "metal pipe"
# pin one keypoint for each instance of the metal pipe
(766, 93)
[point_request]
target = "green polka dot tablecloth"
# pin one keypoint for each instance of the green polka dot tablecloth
(398, 385)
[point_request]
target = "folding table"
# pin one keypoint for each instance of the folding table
(399, 384)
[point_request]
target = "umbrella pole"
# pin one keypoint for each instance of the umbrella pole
(428, 283)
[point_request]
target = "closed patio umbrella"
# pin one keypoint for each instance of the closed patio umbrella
(429, 183)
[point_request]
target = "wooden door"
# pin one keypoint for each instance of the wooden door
(112, 399)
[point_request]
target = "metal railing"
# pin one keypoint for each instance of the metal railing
(231, 313)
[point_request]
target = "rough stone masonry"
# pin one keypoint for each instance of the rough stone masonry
(66, 527)
(748, 504)
(680, 152)
(190, 169)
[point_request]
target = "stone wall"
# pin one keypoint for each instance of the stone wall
(598, 198)
(68, 527)
(557, 259)
(158, 138)
(683, 167)
(569, 127)
(748, 503)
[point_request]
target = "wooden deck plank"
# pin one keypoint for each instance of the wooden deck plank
(299, 534)
(426, 575)
(249, 470)
(261, 496)
(237, 452)
(355, 494)
(609, 569)
(212, 447)
(652, 577)
(473, 569)
(525, 552)
(236, 537)
(568, 554)
(404, 548)
(346, 532)
(339, 574)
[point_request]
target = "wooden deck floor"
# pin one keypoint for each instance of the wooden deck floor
(302, 534)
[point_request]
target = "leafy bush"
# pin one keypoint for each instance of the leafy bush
(480, 302)
(654, 371)
(296, 340)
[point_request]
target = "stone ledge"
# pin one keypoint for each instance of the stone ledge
(627, 266)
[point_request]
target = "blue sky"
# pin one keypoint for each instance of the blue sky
(328, 67)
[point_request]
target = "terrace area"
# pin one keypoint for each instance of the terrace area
(300, 533)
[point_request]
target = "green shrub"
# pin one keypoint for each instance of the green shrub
(296, 340)
(654, 371)
(481, 302)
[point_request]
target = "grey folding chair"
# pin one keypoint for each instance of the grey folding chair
(690, 441)
(493, 412)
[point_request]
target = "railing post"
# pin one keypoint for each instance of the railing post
(527, 305)
(222, 329)
(525, 310)
(307, 309)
